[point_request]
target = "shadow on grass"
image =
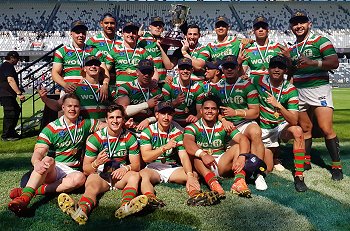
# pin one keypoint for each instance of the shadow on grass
(14, 163)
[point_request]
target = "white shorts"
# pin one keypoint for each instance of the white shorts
(270, 136)
(164, 170)
(243, 126)
(216, 170)
(315, 96)
(63, 170)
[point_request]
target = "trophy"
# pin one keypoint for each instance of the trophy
(175, 36)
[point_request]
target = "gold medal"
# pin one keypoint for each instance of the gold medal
(263, 68)
(129, 71)
(276, 115)
(186, 110)
(210, 151)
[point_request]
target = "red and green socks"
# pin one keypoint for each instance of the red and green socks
(239, 175)
(27, 194)
(86, 204)
(299, 160)
(128, 194)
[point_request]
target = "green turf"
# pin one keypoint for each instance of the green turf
(325, 206)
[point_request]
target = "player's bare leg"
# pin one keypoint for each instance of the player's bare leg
(149, 178)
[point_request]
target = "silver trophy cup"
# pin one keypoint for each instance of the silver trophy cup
(175, 36)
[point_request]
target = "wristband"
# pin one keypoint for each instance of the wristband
(198, 152)
(126, 167)
(319, 63)
(244, 111)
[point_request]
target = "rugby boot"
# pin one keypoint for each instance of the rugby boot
(240, 188)
(133, 206)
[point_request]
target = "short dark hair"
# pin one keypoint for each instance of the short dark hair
(13, 54)
(116, 107)
(108, 15)
(213, 98)
(70, 96)
(194, 26)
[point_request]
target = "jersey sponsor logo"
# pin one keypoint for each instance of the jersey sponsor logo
(85, 97)
(260, 61)
(237, 100)
(152, 49)
(221, 54)
(125, 61)
(308, 53)
(215, 144)
(122, 152)
(72, 62)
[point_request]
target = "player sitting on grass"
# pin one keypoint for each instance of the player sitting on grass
(57, 156)
(279, 116)
(112, 161)
(162, 149)
(206, 140)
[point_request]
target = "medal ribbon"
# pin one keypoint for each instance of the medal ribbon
(109, 48)
(167, 134)
(110, 150)
(233, 87)
(80, 58)
(188, 91)
(96, 96)
(206, 133)
(73, 138)
(144, 96)
(127, 55)
(302, 46)
(279, 94)
(260, 53)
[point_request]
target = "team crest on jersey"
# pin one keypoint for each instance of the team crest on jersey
(149, 42)
(255, 52)
(62, 133)
(122, 53)
(102, 44)
(215, 48)
(222, 91)
(263, 89)
(85, 88)
(105, 145)
(69, 53)
(134, 91)
(176, 92)
(155, 138)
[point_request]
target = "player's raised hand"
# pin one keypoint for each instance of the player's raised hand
(242, 56)
(284, 50)
(102, 157)
(228, 111)
(179, 99)
(171, 144)
(69, 87)
(152, 102)
(271, 99)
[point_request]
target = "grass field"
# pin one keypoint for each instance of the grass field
(325, 206)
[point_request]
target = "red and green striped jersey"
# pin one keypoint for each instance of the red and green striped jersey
(237, 96)
(288, 97)
(67, 56)
(90, 108)
(56, 136)
(203, 134)
(216, 50)
(156, 138)
(149, 43)
(120, 147)
(258, 61)
(207, 87)
(199, 52)
(137, 95)
(193, 96)
(125, 61)
(105, 44)
(316, 48)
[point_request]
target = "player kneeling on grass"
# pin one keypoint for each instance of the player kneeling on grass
(64, 139)
(162, 149)
(206, 140)
(279, 116)
(108, 153)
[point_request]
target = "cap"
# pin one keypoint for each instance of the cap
(184, 62)
(12, 54)
(213, 64)
(145, 64)
(164, 106)
(299, 15)
(157, 19)
(78, 25)
(229, 59)
(261, 20)
(221, 19)
(92, 60)
(278, 60)
(131, 26)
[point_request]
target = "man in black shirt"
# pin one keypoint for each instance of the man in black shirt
(9, 90)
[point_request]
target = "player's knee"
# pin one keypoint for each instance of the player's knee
(78, 180)
(144, 174)
(297, 132)
(306, 127)
(134, 176)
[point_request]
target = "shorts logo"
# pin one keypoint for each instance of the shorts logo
(253, 159)
(321, 98)
(323, 103)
